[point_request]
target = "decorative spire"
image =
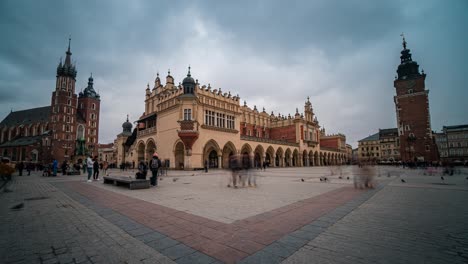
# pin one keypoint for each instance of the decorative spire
(245, 103)
(127, 117)
(404, 41)
(297, 111)
(188, 74)
(169, 72)
(68, 58)
(264, 110)
(157, 74)
(147, 87)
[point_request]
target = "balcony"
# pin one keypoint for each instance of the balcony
(146, 132)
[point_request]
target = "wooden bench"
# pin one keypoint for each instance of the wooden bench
(132, 183)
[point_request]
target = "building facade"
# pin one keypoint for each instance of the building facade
(383, 147)
(412, 111)
(189, 124)
(453, 144)
(68, 129)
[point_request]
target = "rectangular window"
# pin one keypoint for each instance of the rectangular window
(187, 114)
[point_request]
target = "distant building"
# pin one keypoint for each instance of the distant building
(389, 145)
(68, 129)
(106, 153)
(453, 143)
(189, 125)
(369, 148)
(382, 146)
(412, 111)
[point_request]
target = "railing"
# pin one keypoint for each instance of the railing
(267, 140)
(146, 131)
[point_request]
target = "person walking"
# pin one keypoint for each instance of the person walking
(155, 164)
(206, 166)
(54, 167)
(64, 167)
(105, 166)
(89, 167)
(20, 168)
(96, 169)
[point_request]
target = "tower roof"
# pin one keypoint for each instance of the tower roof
(407, 68)
(89, 91)
(67, 68)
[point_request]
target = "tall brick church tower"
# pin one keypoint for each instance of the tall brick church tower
(412, 111)
(63, 110)
(74, 119)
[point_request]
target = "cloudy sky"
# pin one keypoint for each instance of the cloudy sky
(343, 54)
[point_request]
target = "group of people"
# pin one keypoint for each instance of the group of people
(241, 175)
(92, 166)
(154, 165)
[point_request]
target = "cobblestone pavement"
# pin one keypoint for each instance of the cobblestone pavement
(50, 227)
(421, 221)
(65, 220)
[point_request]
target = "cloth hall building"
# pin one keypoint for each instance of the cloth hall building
(189, 125)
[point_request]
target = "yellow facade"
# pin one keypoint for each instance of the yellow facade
(188, 125)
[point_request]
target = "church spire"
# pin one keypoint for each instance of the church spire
(68, 58)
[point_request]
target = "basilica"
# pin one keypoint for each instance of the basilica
(65, 130)
(190, 125)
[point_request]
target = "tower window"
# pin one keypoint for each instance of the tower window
(93, 106)
(410, 91)
(407, 127)
(69, 101)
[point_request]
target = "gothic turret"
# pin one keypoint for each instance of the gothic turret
(89, 91)
(189, 83)
(407, 68)
(67, 68)
(127, 127)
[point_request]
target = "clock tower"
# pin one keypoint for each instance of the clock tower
(412, 111)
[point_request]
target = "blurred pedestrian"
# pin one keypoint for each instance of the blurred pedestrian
(154, 165)
(234, 164)
(96, 169)
(54, 167)
(89, 167)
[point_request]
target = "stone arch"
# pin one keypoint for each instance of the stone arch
(259, 154)
(310, 156)
(305, 158)
(179, 155)
(229, 149)
(279, 159)
(295, 158)
(141, 151)
(321, 159)
(246, 148)
(270, 156)
(288, 158)
(150, 149)
(212, 154)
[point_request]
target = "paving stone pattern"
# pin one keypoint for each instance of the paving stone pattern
(53, 228)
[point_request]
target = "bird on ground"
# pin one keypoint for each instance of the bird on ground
(175, 179)
(442, 178)
(403, 180)
(302, 180)
(321, 179)
(466, 178)
(18, 206)
(347, 178)
(340, 177)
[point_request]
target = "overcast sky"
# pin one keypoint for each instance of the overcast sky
(343, 54)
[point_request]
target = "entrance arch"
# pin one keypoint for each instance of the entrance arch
(150, 149)
(279, 161)
(258, 156)
(295, 158)
(179, 153)
(269, 156)
(212, 154)
(141, 151)
(228, 150)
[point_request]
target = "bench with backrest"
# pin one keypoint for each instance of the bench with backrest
(132, 183)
